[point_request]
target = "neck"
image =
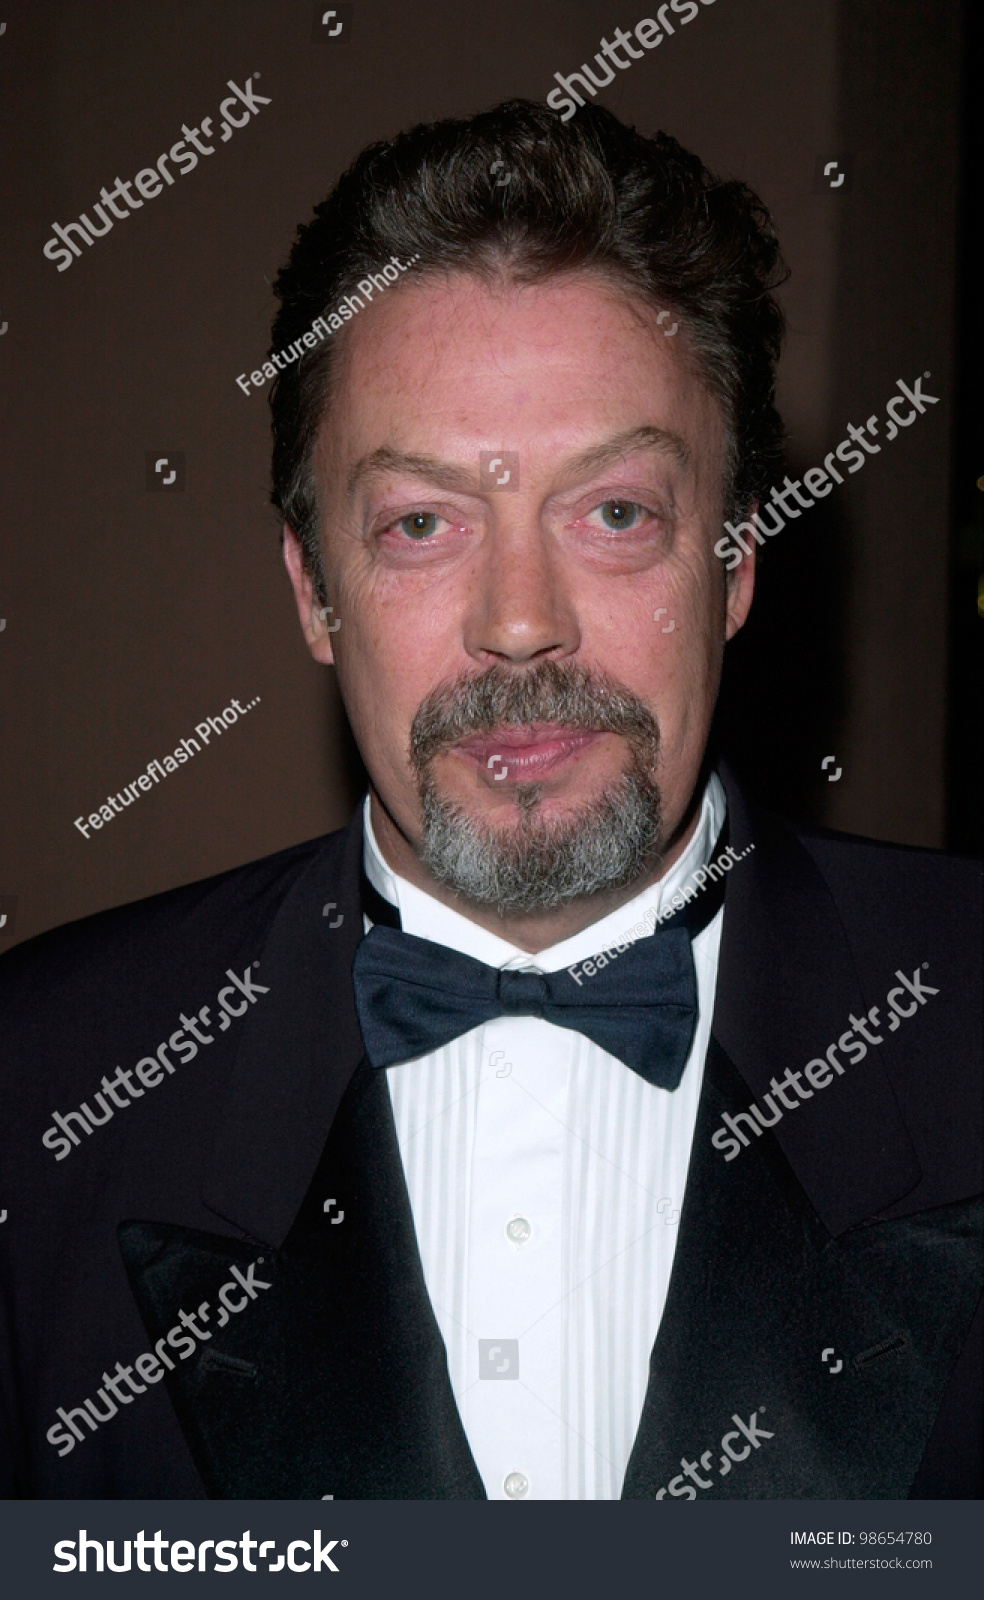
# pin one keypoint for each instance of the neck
(531, 931)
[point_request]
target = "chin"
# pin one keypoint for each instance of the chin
(536, 854)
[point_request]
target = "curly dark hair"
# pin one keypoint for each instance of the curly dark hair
(588, 193)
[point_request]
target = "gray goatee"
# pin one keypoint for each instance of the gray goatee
(535, 864)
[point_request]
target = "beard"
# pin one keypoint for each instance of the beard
(538, 863)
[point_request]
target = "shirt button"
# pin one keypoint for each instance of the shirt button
(518, 1230)
(516, 1485)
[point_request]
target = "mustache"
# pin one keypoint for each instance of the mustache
(567, 694)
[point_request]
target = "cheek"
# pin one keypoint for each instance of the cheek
(389, 657)
(689, 662)
(694, 600)
(399, 613)
(661, 637)
(669, 653)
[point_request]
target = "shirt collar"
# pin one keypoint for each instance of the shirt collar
(427, 918)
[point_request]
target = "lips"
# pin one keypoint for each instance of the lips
(526, 755)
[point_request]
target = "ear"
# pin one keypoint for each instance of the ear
(317, 622)
(739, 587)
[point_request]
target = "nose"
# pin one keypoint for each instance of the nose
(521, 609)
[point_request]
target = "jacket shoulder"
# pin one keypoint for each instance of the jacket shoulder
(133, 939)
(898, 885)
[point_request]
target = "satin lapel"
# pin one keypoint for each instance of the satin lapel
(759, 1291)
(297, 1052)
(332, 1379)
(787, 984)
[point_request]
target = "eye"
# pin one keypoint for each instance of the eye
(419, 524)
(621, 514)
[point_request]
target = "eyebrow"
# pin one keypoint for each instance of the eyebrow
(460, 480)
(648, 437)
(446, 474)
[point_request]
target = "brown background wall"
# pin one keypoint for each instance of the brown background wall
(131, 616)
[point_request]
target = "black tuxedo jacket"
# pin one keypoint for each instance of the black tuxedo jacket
(827, 1279)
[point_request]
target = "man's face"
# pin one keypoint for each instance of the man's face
(592, 570)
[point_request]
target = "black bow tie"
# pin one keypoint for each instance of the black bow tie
(639, 1004)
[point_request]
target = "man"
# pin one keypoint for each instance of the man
(515, 1141)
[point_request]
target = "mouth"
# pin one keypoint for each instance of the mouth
(526, 755)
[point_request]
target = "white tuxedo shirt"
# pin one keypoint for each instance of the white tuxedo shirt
(546, 1180)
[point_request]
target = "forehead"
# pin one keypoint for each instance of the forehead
(456, 363)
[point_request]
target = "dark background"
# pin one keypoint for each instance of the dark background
(131, 616)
